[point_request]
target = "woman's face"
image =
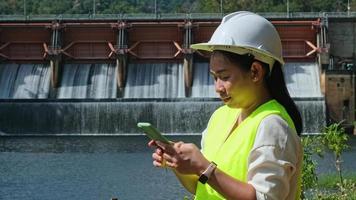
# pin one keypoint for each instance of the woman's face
(234, 85)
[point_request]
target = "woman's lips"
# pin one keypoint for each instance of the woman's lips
(225, 99)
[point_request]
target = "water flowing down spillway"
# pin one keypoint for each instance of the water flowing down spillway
(302, 79)
(87, 99)
(155, 80)
(88, 81)
(313, 114)
(24, 81)
(303, 84)
(203, 82)
(117, 117)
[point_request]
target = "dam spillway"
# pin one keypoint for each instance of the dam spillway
(101, 78)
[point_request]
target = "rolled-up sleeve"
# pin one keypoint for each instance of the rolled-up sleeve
(274, 159)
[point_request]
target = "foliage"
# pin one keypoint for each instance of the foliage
(345, 191)
(34, 7)
(311, 146)
(335, 140)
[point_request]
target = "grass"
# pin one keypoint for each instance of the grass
(329, 181)
(329, 187)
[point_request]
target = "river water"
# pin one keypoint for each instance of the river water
(326, 164)
(89, 168)
(42, 168)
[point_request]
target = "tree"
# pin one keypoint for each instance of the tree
(172, 6)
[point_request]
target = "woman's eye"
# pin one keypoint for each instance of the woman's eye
(214, 77)
(225, 78)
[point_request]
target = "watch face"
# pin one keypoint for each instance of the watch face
(203, 179)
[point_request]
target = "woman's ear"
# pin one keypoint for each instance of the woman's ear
(257, 72)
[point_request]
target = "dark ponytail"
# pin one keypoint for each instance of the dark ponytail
(275, 82)
(278, 89)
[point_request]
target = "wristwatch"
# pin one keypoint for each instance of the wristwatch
(204, 177)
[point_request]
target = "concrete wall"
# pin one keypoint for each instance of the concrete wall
(342, 38)
(340, 95)
(339, 84)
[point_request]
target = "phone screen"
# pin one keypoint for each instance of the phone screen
(152, 132)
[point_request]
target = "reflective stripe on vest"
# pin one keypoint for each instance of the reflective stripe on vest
(231, 154)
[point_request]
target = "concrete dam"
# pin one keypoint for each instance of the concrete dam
(101, 77)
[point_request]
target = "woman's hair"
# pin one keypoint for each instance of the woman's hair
(275, 83)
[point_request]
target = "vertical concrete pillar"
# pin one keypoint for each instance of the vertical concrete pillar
(54, 65)
(121, 72)
(188, 58)
(354, 45)
(54, 53)
(121, 56)
(188, 73)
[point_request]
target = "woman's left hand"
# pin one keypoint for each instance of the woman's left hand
(185, 158)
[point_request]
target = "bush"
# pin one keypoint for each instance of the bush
(311, 146)
(334, 139)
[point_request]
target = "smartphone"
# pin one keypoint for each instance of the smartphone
(152, 132)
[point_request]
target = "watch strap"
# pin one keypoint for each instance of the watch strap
(204, 177)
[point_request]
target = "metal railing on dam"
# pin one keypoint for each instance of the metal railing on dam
(171, 16)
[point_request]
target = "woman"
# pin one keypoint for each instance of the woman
(251, 148)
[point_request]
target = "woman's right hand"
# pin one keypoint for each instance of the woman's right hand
(157, 155)
(185, 158)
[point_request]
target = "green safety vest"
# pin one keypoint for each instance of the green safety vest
(231, 156)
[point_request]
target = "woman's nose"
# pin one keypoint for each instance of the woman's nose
(219, 87)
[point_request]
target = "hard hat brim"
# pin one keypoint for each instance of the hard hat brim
(241, 50)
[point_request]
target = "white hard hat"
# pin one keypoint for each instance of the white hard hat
(246, 33)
